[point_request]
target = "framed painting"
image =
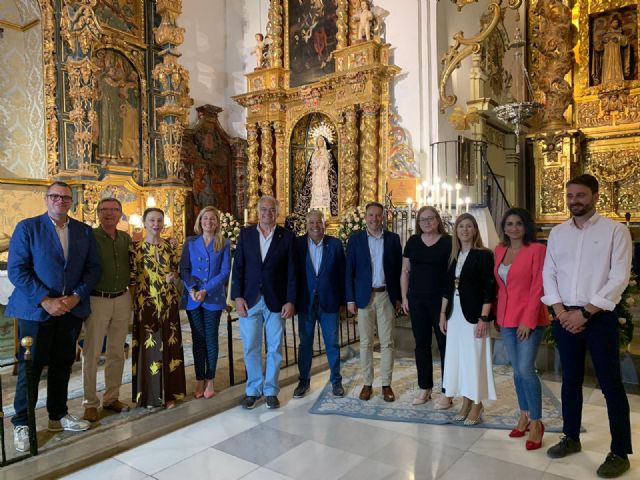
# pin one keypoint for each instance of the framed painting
(122, 16)
(312, 26)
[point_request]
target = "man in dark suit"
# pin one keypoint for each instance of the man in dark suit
(264, 288)
(320, 266)
(374, 260)
(54, 266)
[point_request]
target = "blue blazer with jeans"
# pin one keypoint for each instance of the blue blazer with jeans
(275, 278)
(203, 268)
(359, 275)
(328, 284)
(37, 267)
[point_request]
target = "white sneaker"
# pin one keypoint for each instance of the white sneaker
(21, 438)
(69, 423)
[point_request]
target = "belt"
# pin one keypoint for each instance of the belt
(379, 289)
(98, 293)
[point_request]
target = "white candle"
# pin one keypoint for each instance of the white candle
(467, 201)
(449, 206)
(436, 190)
(458, 188)
(246, 216)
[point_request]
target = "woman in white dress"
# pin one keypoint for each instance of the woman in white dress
(320, 162)
(464, 319)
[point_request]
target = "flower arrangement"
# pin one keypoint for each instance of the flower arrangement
(625, 317)
(230, 228)
(353, 221)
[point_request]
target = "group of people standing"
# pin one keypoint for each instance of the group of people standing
(65, 273)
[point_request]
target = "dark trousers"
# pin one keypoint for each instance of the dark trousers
(204, 331)
(54, 345)
(306, 329)
(425, 316)
(601, 338)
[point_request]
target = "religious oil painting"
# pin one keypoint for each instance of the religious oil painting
(314, 153)
(312, 39)
(122, 15)
(614, 47)
(116, 135)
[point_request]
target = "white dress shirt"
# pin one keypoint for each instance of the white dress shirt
(315, 252)
(265, 242)
(587, 265)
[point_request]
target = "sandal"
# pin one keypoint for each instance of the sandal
(423, 396)
(443, 402)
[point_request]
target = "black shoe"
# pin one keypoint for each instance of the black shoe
(613, 466)
(338, 390)
(566, 446)
(272, 401)
(249, 402)
(301, 389)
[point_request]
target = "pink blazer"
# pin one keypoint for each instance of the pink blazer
(519, 300)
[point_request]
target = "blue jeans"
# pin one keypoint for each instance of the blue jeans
(204, 332)
(54, 345)
(329, 325)
(600, 337)
(522, 354)
(260, 319)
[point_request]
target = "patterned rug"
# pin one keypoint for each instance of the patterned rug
(499, 414)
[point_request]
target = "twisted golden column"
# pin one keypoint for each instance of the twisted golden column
(275, 33)
(253, 166)
(368, 152)
(349, 148)
(343, 29)
(266, 160)
(354, 7)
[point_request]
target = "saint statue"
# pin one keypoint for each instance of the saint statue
(612, 55)
(259, 50)
(320, 186)
(365, 18)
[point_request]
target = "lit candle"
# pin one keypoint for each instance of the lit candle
(467, 201)
(436, 190)
(449, 205)
(458, 188)
(430, 200)
(246, 216)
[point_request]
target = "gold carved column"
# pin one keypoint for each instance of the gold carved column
(266, 159)
(253, 166)
(342, 13)
(274, 33)
(369, 153)
(350, 168)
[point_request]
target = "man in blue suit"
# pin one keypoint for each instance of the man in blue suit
(320, 266)
(264, 288)
(54, 265)
(374, 260)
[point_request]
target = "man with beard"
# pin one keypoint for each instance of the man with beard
(585, 272)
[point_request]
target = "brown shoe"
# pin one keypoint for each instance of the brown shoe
(388, 395)
(365, 393)
(90, 414)
(116, 406)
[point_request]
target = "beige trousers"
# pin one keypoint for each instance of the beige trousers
(378, 313)
(109, 317)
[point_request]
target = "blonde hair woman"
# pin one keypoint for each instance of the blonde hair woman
(464, 319)
(204, 269)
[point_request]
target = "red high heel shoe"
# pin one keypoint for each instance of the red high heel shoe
(530, 445)
(515, 433)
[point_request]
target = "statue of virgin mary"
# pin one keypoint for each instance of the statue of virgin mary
(320, 186)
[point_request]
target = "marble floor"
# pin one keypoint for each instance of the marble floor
(290, 443)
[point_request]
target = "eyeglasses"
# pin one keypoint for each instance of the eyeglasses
(110, 210)
(59, 198)
(427, 219)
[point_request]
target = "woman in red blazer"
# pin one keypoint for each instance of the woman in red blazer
(521, 315)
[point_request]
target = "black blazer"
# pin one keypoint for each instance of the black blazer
(477, 284)
(275, 278)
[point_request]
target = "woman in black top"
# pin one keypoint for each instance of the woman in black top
(424, 269)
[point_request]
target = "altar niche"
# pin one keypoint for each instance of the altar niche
(314, 166)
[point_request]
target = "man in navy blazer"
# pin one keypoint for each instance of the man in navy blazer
(264, 288)
(374, 260)
(320, 266)
(54, 265)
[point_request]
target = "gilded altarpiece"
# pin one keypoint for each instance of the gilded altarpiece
(346, 93)
(599, 131)
(115, 104)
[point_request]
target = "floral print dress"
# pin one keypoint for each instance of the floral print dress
(158, 359)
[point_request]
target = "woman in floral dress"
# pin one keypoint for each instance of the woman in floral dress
(158, 360)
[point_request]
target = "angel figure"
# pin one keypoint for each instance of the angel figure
(365, 18)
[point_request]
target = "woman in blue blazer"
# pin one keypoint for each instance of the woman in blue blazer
(204, 269)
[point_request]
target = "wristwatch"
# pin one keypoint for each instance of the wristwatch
(586, 313)
(484, 318)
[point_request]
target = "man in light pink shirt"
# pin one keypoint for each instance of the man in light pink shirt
(586, 270)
